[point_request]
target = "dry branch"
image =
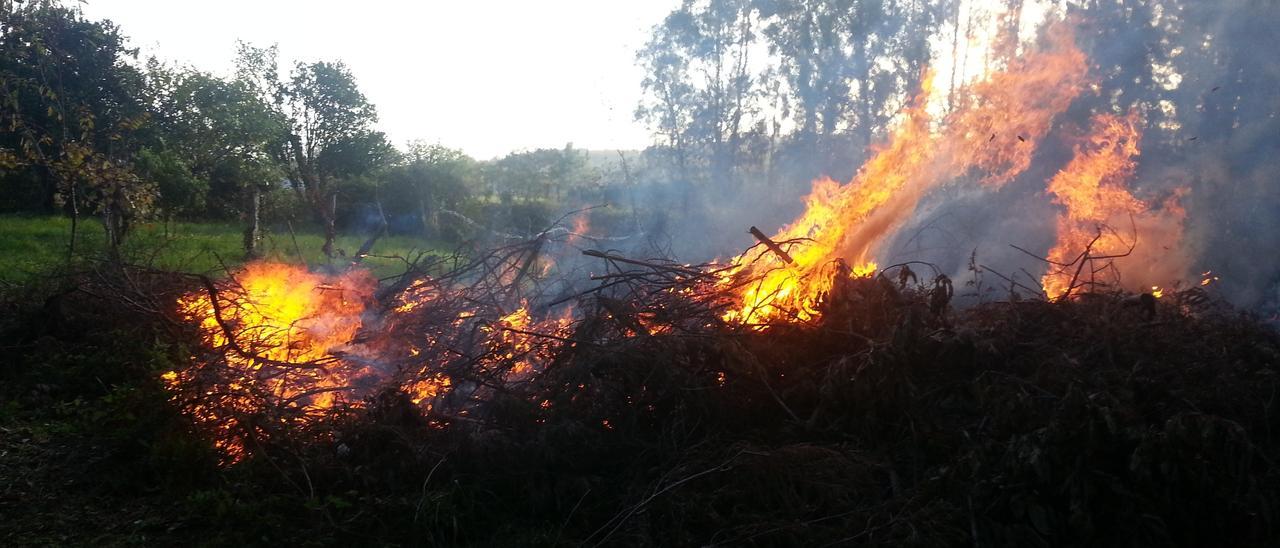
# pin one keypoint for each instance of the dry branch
(772, 245)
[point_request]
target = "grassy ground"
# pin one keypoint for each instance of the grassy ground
(31, 245)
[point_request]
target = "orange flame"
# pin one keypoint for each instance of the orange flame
(284, 338)
(283, 313)
(275, 314)
(1102, 219)
(1092, 189)
(994, 131)
(581, 227)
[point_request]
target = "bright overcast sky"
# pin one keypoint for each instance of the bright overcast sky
(484, 76)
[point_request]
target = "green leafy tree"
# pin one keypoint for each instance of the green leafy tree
(223, 132)
(703, 94)
(539, 174)
(180, 192)
(331, 142)
(74, 114)
(431, 178)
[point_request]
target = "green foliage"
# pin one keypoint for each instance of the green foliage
(428, 179)
(542, 174)
(222, 131)
(94, 133)
(181, 193)
(71, 104)
(326, 107)
(330, 143)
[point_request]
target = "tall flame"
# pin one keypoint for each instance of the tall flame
(994, 130)
(1102, 220)
(1092, 190)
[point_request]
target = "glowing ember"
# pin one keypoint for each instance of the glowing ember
(423, 391)
(518, 343)
(418, 294)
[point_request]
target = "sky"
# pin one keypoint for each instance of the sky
(485, 76)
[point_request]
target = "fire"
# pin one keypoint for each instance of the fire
(999, 121)
(864, 270)
(1092, 190)
(418, 294)
(283, 313)
(517, 341)
(994, 130)
(288, 346)
(581, 227)
(422, 392)
(1101, 219)
(277, 330)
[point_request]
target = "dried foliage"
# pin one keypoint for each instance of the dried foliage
(887, 419)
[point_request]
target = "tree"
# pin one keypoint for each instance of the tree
(542, 173)
(668, 105)
(704, 95)
(847, 61)
(834, 74)
(569, 169)
(74, 114)
(180, 193)
(330, 140)
(223, 132)
(430, 178)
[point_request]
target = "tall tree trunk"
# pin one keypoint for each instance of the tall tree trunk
(428, 214)
(968, 35)
(252, 233)
(328, 218)
(955, 56)
(75, 222)
(109, 223)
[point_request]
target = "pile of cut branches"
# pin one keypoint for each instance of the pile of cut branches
(887, 419)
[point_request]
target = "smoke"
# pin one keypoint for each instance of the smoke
(1203, 176)
(971, 179)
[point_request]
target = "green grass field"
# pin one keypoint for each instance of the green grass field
(32, 246)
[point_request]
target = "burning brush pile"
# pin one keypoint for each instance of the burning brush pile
(643, 407)
(842, 397)
(289, 348)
